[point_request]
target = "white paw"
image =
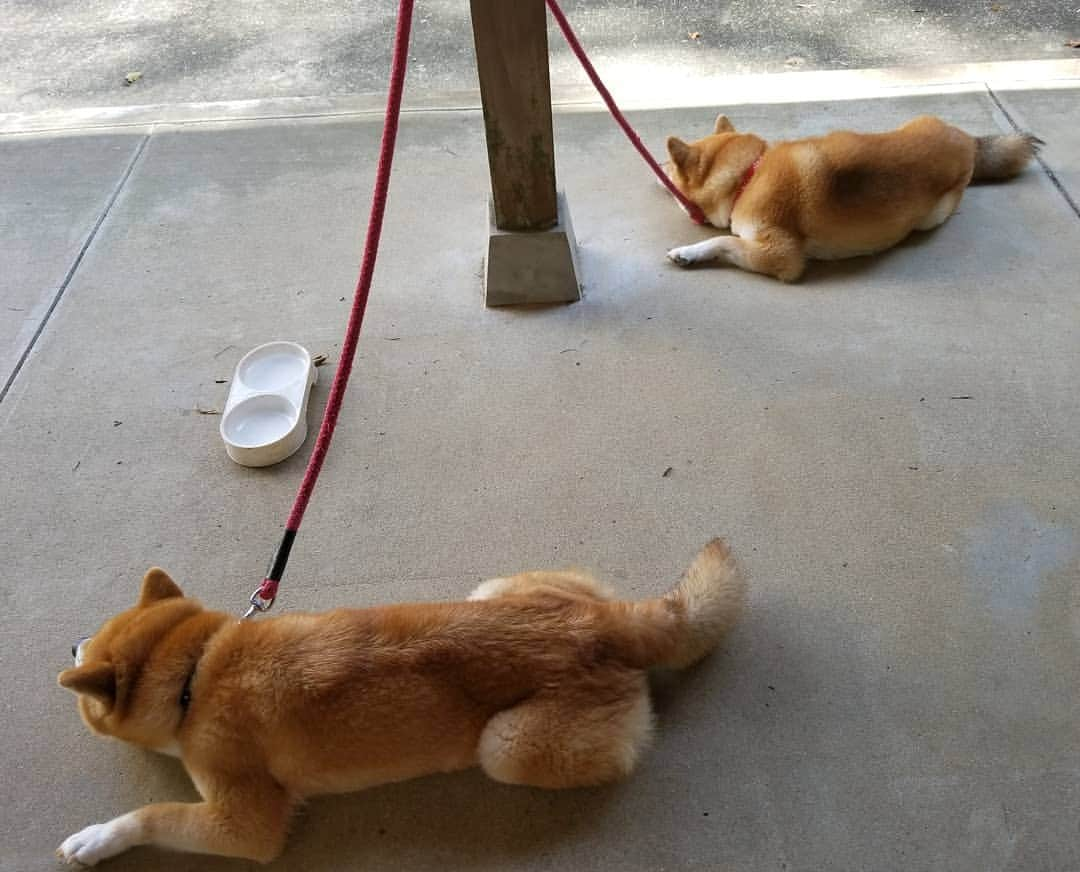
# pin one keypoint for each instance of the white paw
(92, 845)
(683, 256)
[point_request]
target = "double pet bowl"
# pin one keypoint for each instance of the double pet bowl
(265, 417)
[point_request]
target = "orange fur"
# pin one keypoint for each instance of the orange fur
(834, 196)
(540, 680)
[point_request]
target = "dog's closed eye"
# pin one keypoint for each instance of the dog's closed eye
(76, 649)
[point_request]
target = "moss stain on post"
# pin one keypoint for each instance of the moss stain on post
(512, 62)
(495, 138)
(542, 162)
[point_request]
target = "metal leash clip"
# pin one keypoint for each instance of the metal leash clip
(261, 599)
(265, 594)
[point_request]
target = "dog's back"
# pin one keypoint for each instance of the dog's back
(859, 193)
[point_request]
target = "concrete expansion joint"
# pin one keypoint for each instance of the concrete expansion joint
(76, 262)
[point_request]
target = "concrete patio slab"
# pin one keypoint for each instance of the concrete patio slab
(890, 446)
(55, 192)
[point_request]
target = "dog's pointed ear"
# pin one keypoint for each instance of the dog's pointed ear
(680, 152)
(156, 585)
(723, 125)
(93, 679)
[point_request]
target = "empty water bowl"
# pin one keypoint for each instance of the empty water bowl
(265, 417)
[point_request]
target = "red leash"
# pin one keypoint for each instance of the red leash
(696, 215)
(264, 595)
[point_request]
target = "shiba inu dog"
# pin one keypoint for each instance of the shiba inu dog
(539, 678)
(841, 195)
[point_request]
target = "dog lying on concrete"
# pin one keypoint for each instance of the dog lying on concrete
(841, 195)
(539, 678)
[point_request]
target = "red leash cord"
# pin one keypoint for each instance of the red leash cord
(264, 595)
(692, 209)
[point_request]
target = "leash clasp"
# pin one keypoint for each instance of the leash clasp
(262, 598)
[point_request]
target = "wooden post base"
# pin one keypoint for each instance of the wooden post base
(532, 266)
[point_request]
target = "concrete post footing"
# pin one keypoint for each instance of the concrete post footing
(537, 266)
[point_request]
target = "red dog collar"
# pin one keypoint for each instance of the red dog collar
(747, 176)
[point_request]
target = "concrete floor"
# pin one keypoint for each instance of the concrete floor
(892, 448)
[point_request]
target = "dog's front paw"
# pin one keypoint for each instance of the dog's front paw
(92, 845)
(682, 256)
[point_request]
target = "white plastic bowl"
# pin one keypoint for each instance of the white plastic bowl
(265, 417)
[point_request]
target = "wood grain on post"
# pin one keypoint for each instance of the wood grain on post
(512, 60)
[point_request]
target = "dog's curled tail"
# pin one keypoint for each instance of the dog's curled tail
(681, 627)
(1004, 156)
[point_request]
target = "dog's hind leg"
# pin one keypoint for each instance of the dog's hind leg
(572, 737)
(532, 582)
(942, 210)
(775, 253)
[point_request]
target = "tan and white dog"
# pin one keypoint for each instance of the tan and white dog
(827, 197)
(539, 678)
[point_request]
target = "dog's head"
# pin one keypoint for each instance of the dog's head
(131, 674)
(709, 171)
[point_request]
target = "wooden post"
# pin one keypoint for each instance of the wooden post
(530, 250)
